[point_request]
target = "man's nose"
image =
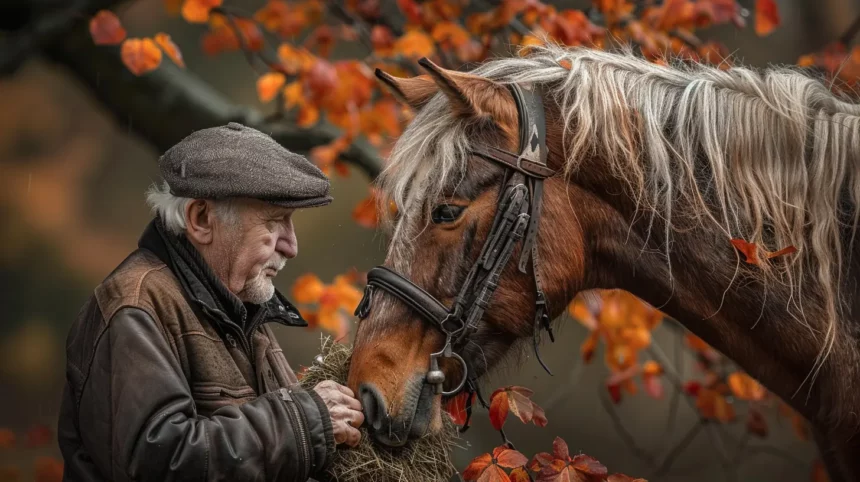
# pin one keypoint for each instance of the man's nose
(287, 245)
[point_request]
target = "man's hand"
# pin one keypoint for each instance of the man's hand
(345, 411)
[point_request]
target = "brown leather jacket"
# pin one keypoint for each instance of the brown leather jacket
(153, 391)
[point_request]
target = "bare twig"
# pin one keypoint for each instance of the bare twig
(851, 32)
(677, 450)
(626, 436)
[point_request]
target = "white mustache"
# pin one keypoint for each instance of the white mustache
(277, 263)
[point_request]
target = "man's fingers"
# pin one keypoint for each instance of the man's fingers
(344, 389)
(357, 419)
(353, 436)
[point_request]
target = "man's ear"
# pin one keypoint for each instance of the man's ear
(199, 218)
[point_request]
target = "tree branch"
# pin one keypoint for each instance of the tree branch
(169, 103)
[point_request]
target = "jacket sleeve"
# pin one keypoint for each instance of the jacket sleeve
(154, 434)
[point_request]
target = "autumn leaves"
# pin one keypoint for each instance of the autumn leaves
(140, 55)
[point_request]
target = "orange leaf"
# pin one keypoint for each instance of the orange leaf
(651, 368)
(308, 115)
(333, 321)
(282, 18)
(623, 478)
(589, 345)
(366, 213)
(39, 436)
(140, 55)
(451, 33)
(509, 458)
(7, 438)
(48, 469)
(197, 11)
(293, 94)
(173, 7)
(819, 472)
(269, 84)
(308, 289)
(766, 17)
(106, 29)
(414, 44)
(9, 473)
(163, 40)
(477, 466)
(520, 475)
(325, 156)
(744, 387)
(782, 252)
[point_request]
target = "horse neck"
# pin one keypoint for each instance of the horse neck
(717, 297)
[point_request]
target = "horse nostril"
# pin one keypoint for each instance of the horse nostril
(374, 406)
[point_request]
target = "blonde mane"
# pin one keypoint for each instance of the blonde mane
(781, 156)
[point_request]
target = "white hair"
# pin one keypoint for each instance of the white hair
(171, 208)
(779, 151)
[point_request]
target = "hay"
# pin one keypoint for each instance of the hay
(424, 459)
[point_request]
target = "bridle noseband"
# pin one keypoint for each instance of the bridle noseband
(516, 219)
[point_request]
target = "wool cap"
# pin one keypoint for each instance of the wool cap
(238, 161)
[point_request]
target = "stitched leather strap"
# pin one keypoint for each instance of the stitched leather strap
(408, 293)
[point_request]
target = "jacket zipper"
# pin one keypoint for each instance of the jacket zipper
(298, 421)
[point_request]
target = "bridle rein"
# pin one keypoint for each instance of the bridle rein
(516, 219)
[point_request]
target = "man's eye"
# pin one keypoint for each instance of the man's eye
(446, 213)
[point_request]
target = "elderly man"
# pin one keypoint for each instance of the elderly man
(173, 373)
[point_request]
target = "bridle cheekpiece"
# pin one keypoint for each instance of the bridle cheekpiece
(516, 220)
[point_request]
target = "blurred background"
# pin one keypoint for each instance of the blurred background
(72, 177)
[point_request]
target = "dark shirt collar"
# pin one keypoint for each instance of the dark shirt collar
(203, 286)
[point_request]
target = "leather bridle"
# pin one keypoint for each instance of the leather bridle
(516, 219)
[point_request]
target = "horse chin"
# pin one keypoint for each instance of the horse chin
(418, 414)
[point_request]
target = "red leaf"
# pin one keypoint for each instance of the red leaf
(559, 449)
(819, 472)
(106, 29)
(521, 406)
(48, 469)
(477, 466)
(748, 250)
(589, 465)
(653, 386)
(499, 408)
(614, 392)
(321, 79)
(766, 17)
(756, 424)
(539, 417)
(494, 473)
(509, 458)
(411, 10)
(623, 478)
(456, 406)
(539, 461)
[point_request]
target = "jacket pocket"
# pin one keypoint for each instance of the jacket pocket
(209, 397)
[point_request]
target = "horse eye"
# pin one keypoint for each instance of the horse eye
(446, 213)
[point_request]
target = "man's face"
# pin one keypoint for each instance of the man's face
(254, 248)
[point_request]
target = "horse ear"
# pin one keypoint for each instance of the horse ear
(412, 91)
(470, 95)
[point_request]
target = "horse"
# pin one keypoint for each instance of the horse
(650, 171)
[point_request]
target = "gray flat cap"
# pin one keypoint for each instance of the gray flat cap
(238, 161)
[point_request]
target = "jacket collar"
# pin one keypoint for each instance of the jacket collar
(201, 285)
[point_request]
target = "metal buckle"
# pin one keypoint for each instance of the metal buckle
(436, 377)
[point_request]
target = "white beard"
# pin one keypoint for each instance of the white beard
(260, 288)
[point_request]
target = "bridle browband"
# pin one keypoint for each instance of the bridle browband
(516, 219)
